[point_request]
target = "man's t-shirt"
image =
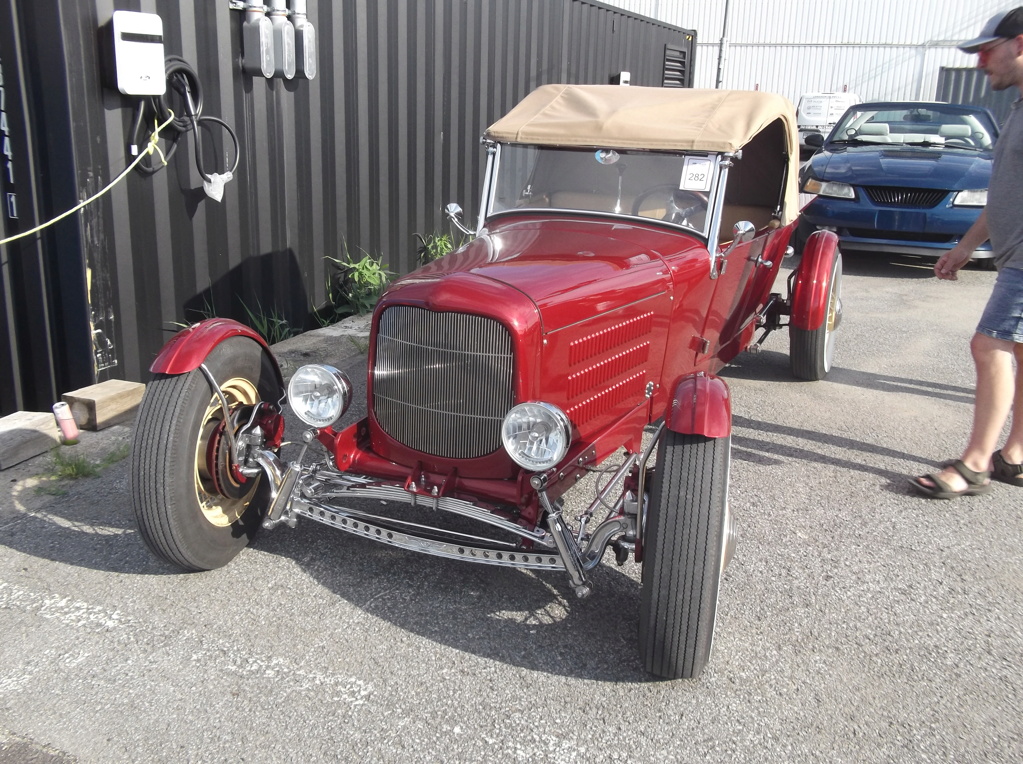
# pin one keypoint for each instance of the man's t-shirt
(1005, 193)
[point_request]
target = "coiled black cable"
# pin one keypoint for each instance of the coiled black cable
(181, 78)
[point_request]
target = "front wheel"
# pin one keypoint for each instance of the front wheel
(192, 506)
(812, 351)
(688, 540)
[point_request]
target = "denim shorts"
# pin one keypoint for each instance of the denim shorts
(1003, 316)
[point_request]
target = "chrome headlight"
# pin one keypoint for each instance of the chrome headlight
(319, 395)
(536, 435)
(973, 198)
(829, 188)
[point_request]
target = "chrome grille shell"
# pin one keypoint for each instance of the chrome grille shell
(442, 382)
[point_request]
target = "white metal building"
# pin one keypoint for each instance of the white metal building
(879, 49)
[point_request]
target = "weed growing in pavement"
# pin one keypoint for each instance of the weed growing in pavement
(74, 466)
(433, 246)
(272, 326)
(208, 310)
(335, 308)
(353, 288)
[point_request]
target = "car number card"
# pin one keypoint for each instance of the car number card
(696, 174)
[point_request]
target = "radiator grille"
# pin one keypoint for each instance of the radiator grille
(442, 382)
(890, 196)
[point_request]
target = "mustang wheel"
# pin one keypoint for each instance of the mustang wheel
(193, 508)
(812, 351)
(687, 542)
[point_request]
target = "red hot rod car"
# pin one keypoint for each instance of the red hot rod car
(627, 245)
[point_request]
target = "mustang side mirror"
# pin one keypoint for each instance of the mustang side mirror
(454, 214)
(814, 140)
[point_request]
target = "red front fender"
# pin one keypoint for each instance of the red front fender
(702, 405)
(187, 349)
(813, 277)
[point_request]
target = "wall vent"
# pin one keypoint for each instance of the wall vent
(677, 71)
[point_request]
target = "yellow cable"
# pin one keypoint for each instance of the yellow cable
(153, 140)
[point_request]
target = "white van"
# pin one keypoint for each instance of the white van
(819, 112)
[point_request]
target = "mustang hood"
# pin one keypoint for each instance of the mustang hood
(905, 166)
(567, 267)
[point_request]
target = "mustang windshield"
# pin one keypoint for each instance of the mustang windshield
(909, 124)
(672, 187)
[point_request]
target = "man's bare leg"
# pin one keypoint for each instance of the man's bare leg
(997, 387)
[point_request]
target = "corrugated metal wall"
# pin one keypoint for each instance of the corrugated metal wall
(365, 154)
(876, 48)
(971, 86)
(44, 326)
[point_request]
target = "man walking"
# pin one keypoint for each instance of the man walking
(997, 346)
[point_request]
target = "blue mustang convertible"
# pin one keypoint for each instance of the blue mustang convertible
(903, 177)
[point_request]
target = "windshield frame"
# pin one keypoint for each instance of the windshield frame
(716, 163)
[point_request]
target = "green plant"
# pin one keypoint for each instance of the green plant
(76, 465)
(433, 246)
(51, 488)
(360, 282)
(72, 466)
(116, 455)
(272, 326)
(335, 308)
(353, 287)
(208, 310)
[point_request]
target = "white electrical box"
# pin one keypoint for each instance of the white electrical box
(138, 53)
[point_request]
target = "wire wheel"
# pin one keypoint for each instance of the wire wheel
(193, 507)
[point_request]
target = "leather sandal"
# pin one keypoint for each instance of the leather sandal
(1006, 472)
(976, 483)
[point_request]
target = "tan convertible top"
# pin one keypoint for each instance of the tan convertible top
(660, 119)
(611, 116)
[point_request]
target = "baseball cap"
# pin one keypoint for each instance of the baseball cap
(1004, 24)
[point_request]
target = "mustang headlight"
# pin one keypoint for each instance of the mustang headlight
(974, 198)
(319, 395)
(536, 435)
(829, 188)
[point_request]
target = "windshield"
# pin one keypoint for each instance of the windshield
(909, 124)
(672, 187)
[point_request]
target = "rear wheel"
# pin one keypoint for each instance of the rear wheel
(193, 508)
(688, 540)
(811, 352)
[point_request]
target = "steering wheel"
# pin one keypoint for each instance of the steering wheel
(679, 202)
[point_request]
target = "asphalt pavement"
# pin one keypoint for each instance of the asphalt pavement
(858, 621)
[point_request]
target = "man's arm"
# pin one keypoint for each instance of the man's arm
(960, 254)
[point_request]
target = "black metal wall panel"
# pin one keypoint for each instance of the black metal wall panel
(359, 158)
(970, 85)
